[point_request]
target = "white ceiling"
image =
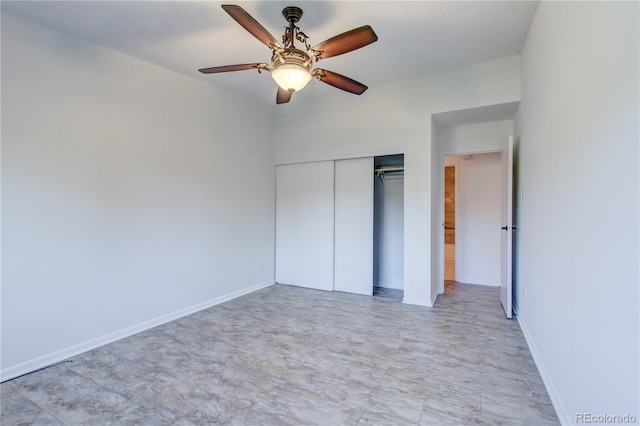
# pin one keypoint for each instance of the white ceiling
(415, 37)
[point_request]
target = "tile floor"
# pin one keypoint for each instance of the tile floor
(293, 356)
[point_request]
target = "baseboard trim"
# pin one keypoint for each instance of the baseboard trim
(55, 357)
(475, 282)
(561, 411)
(418, 302)
(434, 296)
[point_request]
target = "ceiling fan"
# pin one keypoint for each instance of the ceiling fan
(290, 66)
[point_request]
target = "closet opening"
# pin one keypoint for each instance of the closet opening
(388, 227)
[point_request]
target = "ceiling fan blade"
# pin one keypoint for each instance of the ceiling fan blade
(340, 81)
(228, 68)
(346, 42)
(250, 24)
(283, 96)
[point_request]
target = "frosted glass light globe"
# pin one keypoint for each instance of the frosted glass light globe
(291, 77)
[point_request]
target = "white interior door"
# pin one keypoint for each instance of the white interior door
(506, 242)
(354, 226)
(304, 224)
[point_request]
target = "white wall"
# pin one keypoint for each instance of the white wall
(474, 138)
(388, 251)
(130, 195)
(577, 238)
(478, 205)
(390, 119)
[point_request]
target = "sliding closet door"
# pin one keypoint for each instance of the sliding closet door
(354, 226)
(304, 224)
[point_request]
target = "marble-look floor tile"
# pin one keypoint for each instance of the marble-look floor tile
(17, 409)
(289, 356)
(71, 397)
(304, 408)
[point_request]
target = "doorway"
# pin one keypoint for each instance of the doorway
(388, 228)
(472, 218)
(449, 222)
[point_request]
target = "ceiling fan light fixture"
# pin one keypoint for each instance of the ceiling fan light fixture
(291, 77)
(290, 66)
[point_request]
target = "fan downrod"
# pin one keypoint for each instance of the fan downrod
(292, 14)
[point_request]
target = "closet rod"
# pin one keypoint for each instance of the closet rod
(388, 169)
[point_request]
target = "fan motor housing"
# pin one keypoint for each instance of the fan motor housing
(291, 55)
